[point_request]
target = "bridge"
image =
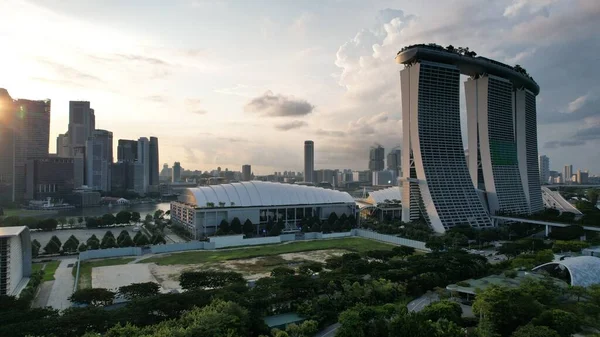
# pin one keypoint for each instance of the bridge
(543, 223)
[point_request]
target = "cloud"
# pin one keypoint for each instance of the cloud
(301, 24)
(272, 105)
(157, 98)
(190, 156)
(330, 133)
(589, 133)
(193, 105)
(536, 7)
(577, 103)
(142, 59)
(562, 143)
(69, 74)
(295, 124)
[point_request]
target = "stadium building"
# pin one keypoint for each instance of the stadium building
(200, 210)
(15, 259)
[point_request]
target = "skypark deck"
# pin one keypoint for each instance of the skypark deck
(468, 65)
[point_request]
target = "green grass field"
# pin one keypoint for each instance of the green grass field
(48, 270)
(27, 212)
(350, 244)
(85, 270)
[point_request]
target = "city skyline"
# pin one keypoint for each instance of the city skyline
(288, 92)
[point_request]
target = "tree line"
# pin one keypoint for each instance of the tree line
(73, 245)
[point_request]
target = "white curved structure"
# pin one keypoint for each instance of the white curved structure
(553, 199)
(584, 271)
(201, 209)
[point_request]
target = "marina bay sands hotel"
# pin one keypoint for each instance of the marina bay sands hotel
(500, 175)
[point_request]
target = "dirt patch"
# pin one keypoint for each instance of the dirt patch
(252, 269)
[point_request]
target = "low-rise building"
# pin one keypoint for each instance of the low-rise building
(200, 210)
(15, 259)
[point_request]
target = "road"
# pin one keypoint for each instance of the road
(63, 284)
(329, 331)
(421, 302)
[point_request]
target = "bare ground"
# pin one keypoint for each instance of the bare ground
(252, 269)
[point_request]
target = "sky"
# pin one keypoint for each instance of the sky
(226, 83)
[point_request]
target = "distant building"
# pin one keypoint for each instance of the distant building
(384, 178)
(309, 161)
(127, 150)
(143, 158)
(582, 177)
(394, 161)
(98, 160)
(15, 259)
(325, 176)
(52, 177)
(153, 163)
(82, 123)
(122, 176)
(376, 158)
(544, 169)
(176, 172)
(84, 197)
(62, 146)
(246, 172)
(362, 176)
(567, 173)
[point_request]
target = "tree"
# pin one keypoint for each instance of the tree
(282, 272)
(35, 248)
(449, 310)
(142, 240)
(108, 219)
(82, 247)
(209, 279)
(403, 251)
(62, 221)
(80, 220)
(48, 224)
(71, 222)
(108, 242)
(592, 195)
(92, 242)
(333, 217)
(92, 222)
(123, 217)
(93, 296)
(275, 231)
(306, 329)
(505, 308)
(435, 243)
(126, 241)
(71, 244)
(248, 227)
(158, 214)
(577, 291)
(135, 217)
(139, 290)
(530, 330)
(148, 218)
(157, 239)
(236, 226)
(563, 322)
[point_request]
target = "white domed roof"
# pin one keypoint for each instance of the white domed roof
(260, 193)
(584, 270)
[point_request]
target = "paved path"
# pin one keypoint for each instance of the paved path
(41, 300)
(329, 331)
(63, 285)
(421, 302)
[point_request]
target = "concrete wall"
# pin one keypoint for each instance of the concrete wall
(238, 240)
(16, 263)
(287, 237)
(337, 235)
(112, 252)
(391, 239)
(178, 247)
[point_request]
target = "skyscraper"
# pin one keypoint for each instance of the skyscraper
(143, 157)
(24, 135)
(99, 159)
(490, 120)
(309, 161)
(62, 146)
(246, 172)
(568, 173)
(393, 161)
(176, 172)
(502, 136)
(544, 169)
(153, 162)
(127, 150)
(376, 158)
(82, 123)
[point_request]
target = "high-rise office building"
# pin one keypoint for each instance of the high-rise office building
(567, 173)
(153, 162)
(82, 123)
(52, 177)
(376, 158)
(176, 172)
(491, 123)
(127, 150)
(166, 171)
(384, 178)
(62, 146)
(246, 172)
(544, 164)
(25, 133)
(143, 157)
(99, 159)
(325, 176)
(393, 161)
(309, 161)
